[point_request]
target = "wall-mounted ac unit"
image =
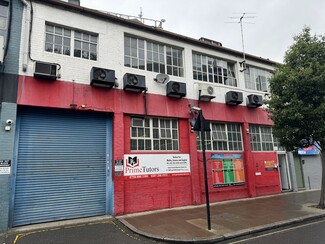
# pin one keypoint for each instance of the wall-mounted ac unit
(176, 89)
(2, 48)
(45, 70)
(208, 92)
(102, 77)
(234, 98)
(254, 101)
(132, 82)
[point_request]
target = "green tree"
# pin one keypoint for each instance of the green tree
(297, 103)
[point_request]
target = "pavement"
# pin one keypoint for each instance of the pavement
(229, 219)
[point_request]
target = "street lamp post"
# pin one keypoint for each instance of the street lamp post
(201, 125)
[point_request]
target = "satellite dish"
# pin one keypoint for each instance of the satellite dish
(162, 78)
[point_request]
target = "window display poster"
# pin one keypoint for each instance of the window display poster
(227, 170)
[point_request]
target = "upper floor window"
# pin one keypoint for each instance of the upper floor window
(261, 138)
(222, 137)
(257, 79)
(85, 45)
(4, 16)
(211, 69)
(154, 134)
(151, 56)
(59, 40)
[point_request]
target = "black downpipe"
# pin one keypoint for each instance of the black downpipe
(30, 31)
(145, 100)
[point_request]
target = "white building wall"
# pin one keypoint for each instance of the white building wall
(111, 53)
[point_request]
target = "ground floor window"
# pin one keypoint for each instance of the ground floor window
(154, 134)
(222, 137)
(261, 138)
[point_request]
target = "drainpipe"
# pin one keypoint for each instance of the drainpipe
(26, 34)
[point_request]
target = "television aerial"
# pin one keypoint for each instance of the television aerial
(241, 17)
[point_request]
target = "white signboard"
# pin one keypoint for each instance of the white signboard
(156, 165)
(5, 166)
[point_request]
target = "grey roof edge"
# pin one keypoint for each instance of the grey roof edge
(154, 30)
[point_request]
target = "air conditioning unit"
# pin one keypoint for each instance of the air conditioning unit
(234, 98)
(132, 82)
(102, 77)
(208, 92)
(176, 89)
(45, 70)
(254, 101)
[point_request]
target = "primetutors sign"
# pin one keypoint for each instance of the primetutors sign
(156, 165)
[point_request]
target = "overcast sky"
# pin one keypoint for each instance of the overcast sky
(275, 22)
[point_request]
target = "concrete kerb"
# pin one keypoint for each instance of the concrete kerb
(279, 224)
(168, 239)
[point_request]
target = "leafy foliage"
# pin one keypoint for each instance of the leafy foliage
(297, 104)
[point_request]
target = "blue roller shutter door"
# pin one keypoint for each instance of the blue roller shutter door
(61, 166)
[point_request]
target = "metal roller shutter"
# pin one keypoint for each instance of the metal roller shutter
(61, 166)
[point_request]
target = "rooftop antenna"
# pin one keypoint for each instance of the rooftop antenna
(143, 20)
(141, 15)
(241, 17)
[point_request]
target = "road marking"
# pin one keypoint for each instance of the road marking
(275, 232)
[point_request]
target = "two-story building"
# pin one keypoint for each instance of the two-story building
(104, 111)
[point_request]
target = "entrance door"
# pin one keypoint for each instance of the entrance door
(61, 166)
(299, 172)
(284, 172)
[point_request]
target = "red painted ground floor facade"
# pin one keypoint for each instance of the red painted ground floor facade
(231, 174)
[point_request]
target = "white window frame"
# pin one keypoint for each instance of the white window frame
(72, 40)
(154, 138)
(92, 41)
(211, 141)
(258, 138)
(55, 35)
(257, 78)
(169, 64)
(215, 70)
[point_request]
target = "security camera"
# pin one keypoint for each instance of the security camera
(9, 122)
